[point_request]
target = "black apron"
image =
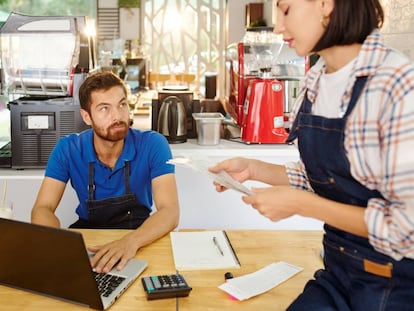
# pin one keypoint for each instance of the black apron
(120, 212)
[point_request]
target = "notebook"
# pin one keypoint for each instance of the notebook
(203, 250)
(54, 262)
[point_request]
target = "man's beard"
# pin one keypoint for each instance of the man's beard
(110, 135)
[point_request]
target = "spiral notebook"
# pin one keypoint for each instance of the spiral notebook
(203, 250)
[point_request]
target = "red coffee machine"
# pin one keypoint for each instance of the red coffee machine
(263, 106)
(259, 67)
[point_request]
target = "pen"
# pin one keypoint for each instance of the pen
(217, 245)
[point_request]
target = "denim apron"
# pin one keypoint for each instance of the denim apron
(120, 212)
(356, 277)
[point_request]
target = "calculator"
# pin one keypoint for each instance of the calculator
(165, 286)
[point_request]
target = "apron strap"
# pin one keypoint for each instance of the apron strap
(356, 92)
(306, 106)
(127, 173)
(91, 184)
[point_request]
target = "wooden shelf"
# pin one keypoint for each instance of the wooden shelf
(254, 12)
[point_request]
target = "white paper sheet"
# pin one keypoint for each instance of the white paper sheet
(261, 281)
(201, 165)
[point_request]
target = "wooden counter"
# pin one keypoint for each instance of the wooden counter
(255, 249)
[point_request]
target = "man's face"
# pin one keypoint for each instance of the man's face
(109, 114)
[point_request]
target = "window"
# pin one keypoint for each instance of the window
(47, 7)
(186, 36)
(178, 36)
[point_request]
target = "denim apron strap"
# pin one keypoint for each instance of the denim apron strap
(118, 212)
(91, 183)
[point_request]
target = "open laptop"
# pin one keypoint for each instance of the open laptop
(55, 262)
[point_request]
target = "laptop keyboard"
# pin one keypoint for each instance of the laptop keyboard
(107, 283)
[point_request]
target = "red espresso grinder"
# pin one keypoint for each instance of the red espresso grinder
(263, 109)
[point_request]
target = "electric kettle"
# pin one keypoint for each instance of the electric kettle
(172, 120)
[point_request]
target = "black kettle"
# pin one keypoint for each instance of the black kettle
(172, 120)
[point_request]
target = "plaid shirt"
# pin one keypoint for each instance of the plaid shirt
(379, 141)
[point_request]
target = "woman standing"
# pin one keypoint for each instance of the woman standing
(354, 126)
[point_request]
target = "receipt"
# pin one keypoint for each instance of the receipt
(261, 281)
(202, 165)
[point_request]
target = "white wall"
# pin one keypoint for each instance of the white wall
(398, 27)
(204, 208)
(201, 206)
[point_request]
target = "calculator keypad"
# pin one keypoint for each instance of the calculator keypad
(165, 286)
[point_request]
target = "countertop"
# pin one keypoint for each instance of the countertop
(227, 148)
(224, 149)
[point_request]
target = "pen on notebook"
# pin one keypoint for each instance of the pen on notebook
(218, 245)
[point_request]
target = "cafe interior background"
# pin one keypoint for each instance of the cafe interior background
(181, 36)
(189, 43)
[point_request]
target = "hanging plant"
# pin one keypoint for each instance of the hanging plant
(258, 23)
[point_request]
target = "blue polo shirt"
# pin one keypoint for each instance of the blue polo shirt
(147, 151)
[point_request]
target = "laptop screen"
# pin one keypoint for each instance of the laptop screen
(47, 260)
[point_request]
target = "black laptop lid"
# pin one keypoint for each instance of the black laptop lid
(47, 260)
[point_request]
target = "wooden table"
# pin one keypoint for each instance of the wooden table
(255, 249)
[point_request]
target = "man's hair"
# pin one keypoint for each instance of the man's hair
(95, 82)
(351, 21)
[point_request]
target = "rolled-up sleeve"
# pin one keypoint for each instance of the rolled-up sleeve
(391, 228)
(297, 175)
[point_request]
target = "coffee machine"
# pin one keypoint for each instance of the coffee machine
(264, 75)
(263, 116)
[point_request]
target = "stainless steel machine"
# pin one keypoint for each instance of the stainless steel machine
(264, 70)
(44, 60)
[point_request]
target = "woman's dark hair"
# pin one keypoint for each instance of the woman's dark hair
(351, 21)
(98, 81)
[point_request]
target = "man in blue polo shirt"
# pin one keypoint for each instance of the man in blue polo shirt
(116, 172)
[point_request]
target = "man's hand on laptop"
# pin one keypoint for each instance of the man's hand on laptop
(114, 254)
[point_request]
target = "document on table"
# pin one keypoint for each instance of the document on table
(263, 280)
(203, 250)
(201, 165)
